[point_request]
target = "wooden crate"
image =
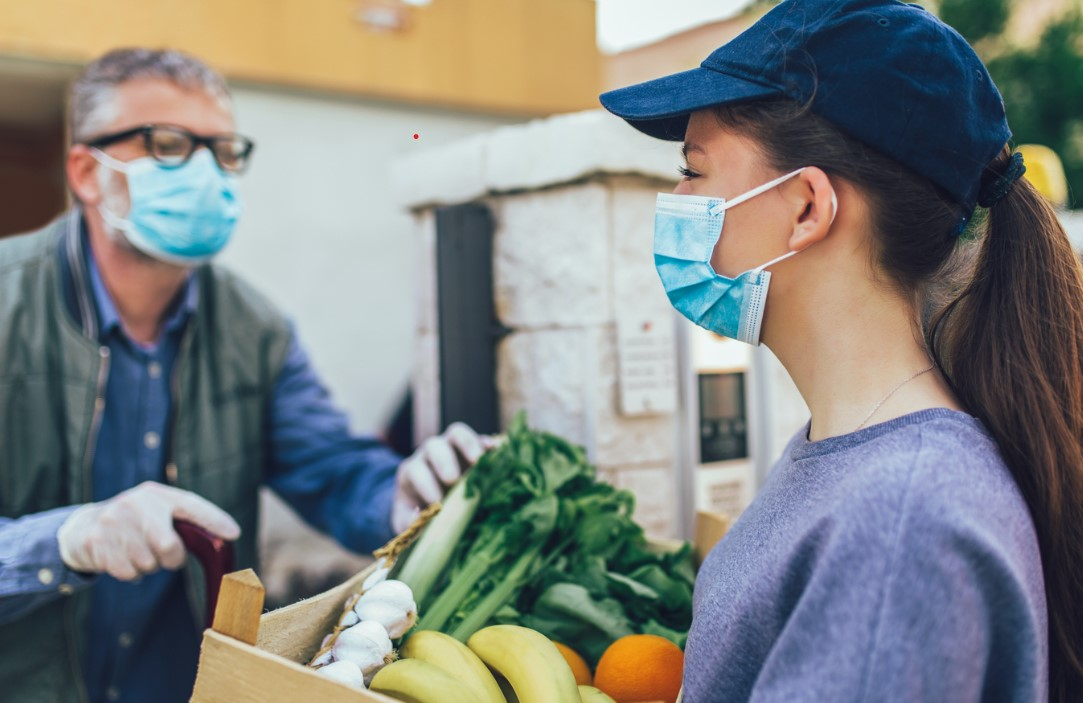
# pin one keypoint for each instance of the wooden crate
(249, 657)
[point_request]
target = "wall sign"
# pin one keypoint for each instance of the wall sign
(647, 360)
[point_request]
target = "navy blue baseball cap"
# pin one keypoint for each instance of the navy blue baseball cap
(887, 73)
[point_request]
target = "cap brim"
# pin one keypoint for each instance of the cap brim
(660, 108)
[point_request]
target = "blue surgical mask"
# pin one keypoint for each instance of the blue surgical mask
(181, 215)
(686, 230)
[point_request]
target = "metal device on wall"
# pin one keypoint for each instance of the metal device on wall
(724, 426)
(723, 421)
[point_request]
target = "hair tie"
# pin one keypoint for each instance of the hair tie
(992, 191)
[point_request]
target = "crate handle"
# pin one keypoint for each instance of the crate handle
(214, 554)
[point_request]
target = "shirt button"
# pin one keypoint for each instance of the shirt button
(154, 369)
(112, 693)
(45, 576)
(66, 589)
(171, 472)
(125, 640)
(151, 440)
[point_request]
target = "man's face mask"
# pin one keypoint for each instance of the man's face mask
(181, 215)
(686, 230)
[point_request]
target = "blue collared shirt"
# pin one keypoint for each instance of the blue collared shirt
(143, 641)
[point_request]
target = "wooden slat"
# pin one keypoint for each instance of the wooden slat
(296, 631)
(234, 672)
(710, 529)
(240, 604)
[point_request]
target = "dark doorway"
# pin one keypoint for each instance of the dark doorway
(32, 184)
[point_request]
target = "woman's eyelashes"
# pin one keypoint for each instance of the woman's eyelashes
(687, 173)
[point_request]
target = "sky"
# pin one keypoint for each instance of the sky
(625, 24)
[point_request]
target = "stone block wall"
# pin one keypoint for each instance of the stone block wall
(567, 260)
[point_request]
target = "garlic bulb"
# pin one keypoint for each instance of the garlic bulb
(322, 660)
(377, 576)
(344, 672)
(391, 604)
(348, 619)
(366, 644)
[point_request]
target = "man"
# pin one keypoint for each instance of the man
(139, 384)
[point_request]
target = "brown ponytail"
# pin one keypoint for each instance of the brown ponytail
(1012, 347)
(1008, 337)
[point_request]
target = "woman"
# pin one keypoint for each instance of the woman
(896, 551)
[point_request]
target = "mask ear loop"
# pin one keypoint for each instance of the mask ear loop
(760, 189)
(112, 219)
(108, 161)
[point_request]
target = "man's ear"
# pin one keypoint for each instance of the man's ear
(82, 170)
(817, 207)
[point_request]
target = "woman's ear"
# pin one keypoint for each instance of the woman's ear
(817, 207)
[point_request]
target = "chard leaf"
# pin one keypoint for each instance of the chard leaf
(626, 587)
(572, 601)
(677, 637)
(558, 470)
(675, 596)
(590, 573)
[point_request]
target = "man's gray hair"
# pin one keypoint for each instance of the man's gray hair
(93, 94)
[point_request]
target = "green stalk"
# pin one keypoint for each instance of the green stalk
(477, 567)
(496, 598)
(428, 559)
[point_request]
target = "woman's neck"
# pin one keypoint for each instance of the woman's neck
(849, 348)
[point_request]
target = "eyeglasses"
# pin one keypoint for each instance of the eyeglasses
(173, 146)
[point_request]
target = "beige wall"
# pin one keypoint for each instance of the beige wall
(525, 57)
(679, 52)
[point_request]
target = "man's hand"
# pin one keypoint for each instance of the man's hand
(436, 465)
(131, 534)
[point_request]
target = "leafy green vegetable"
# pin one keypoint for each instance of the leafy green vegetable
(533, 538)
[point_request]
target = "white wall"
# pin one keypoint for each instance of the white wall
(323, 237)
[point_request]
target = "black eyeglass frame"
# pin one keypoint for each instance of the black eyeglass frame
(195, 140)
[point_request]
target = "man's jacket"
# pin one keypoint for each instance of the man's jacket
(53, 374)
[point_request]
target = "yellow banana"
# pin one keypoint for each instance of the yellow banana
(529, 661)
(589, 694)
(416, 681)
(456, 659)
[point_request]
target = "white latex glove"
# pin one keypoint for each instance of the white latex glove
(425, 476)
(131, 534)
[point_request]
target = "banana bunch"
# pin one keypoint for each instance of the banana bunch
(437, 668)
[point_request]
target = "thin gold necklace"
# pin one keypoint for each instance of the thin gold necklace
(891, 393)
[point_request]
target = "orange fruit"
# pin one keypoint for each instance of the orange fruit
(641, 668)
(578, 665)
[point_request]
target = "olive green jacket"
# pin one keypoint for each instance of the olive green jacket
(53, 374)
